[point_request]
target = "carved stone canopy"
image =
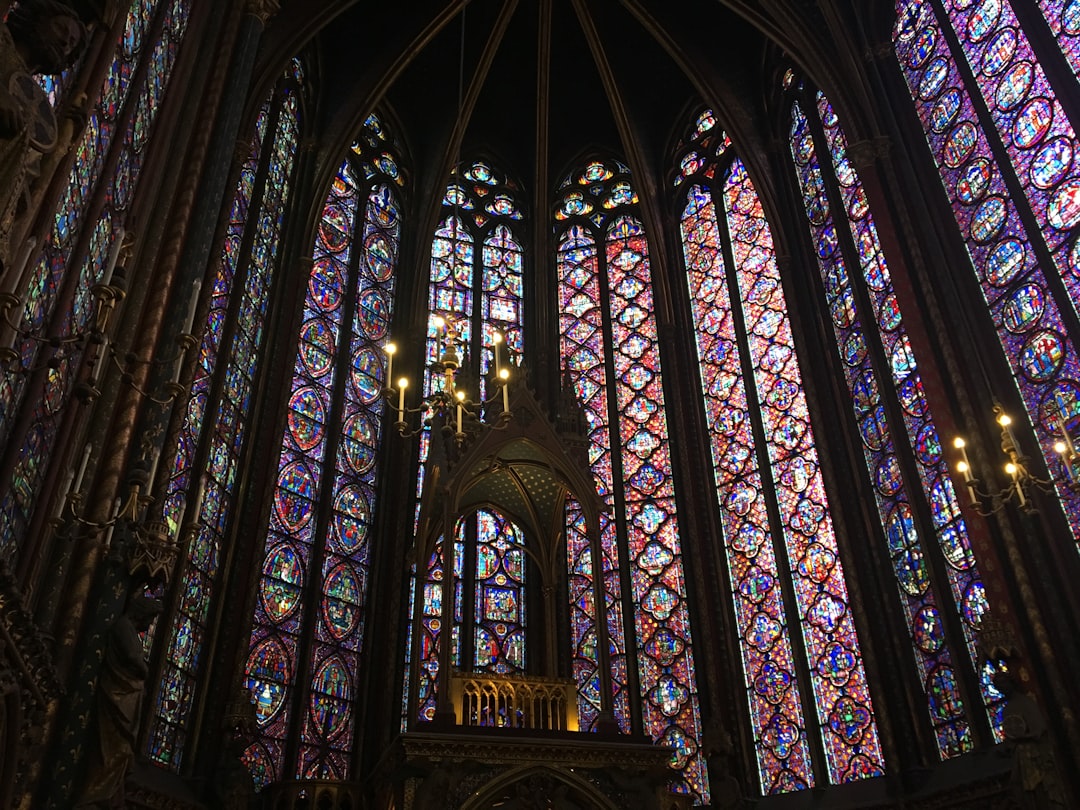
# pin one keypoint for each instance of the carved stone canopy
(524, 468)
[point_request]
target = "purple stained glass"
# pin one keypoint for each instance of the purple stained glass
(636, 442)
(59, 268)
(1022, 104)
(852, 747)
(768, 661)
(953, 732)
(470, 266)
(1063, 17)
(301, 469)
(326, 740)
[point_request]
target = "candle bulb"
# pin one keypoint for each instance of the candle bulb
(1065, 437)
(112, 526)
(101, 362)
(192, 306)
(13, 280)
(402, 385)
(63, 499)
(496, 339)
(504, 375)
(390, 349)
(114, 255)
(77, 485)
(460, 398)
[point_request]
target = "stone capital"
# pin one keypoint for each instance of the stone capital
(262, 9)
(864, 154)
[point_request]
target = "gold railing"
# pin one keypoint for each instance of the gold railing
(514, 701)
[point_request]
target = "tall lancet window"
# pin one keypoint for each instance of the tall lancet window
(92, 210)
(774, 510)
(918, 508)
(204, 470)
(610, 349)
(319, 538)
(1006, 151)
(475, 285)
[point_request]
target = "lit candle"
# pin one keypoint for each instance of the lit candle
(1006, 427)
(496, 339)
(964, 467)
(192, 306)
(77, 485)
(504, 375)
(101, 362)
(13, 280)
(153, 468)
(112, 526)
(402, 385)
(460, 398)
(1014, 471)
(114, 254)
(1065, 437)
(191, 514)
(63, 499)
(390, 349)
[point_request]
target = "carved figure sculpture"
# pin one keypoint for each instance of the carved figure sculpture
(119, 702)
(41, 37)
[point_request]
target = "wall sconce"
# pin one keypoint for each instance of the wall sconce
(107, 295)
(449, 403)
(1021, 480)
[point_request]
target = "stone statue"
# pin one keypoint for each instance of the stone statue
(119, 703)
(40, 37)
(1035, 780)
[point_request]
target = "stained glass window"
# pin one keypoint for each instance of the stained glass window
(877, 328)
(230, 347)
(606, 305)
(475, 257)
(740, 320)
(100, 189)
(319, 537)
(994, 123)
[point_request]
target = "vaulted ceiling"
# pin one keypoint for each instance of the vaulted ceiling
(536, 85)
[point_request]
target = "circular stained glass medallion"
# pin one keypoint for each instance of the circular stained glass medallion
(959, 144)
(988, 220)
(973, 181)
(335, 227)
(982, 21)
(316, 347)
(1064, 212)
(933, 79)
(1005, 262)
(341, 601)
(325, 283)
(379, 255)
(1042, 355)
(281, 583)
(306, 418)
(292, 500)
(945, 109)
(267, 676)
(367, 373)
(1024, 308)
(352, 515)
(373, 312)
(330, 709)
(1014, 85)
(999, 52)
(1051, 163)
(358, 437)
(927, 629)
(923, 48)
(1032, 123)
